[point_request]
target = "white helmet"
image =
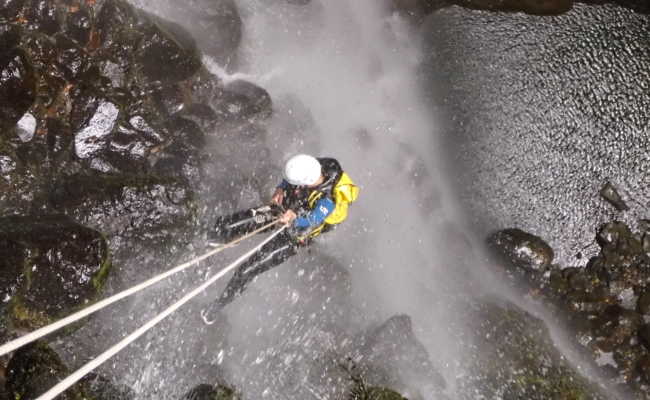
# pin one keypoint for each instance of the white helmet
(302, 170)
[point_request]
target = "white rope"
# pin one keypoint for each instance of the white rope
(81, 372)
(39, 333)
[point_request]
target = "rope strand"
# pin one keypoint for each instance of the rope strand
(81, 372)
(39, 333)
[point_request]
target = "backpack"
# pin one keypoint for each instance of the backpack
(343, 193)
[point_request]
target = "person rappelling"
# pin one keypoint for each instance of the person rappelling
(312, 199)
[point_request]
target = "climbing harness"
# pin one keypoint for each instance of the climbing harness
(90, 366)
(39, 333)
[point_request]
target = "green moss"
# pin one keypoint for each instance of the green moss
(21, 316)
(99, 279)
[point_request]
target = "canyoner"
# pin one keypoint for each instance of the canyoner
(312, 199)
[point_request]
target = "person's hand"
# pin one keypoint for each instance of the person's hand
(287, 217)
(278, 196)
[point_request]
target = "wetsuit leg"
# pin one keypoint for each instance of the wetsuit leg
(270, 255)
(233, 226)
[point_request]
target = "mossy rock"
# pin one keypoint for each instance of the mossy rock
(143, 216)
(375, 393)
(49, 266)
(34, 369)
(518, 359)
(209, 392)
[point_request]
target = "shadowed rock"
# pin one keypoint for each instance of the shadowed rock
(17, 88)
(520, 254)
(34, 369)
(209, 392)
(518, 358)
(609, 193)
(391, 356)
(50, 265)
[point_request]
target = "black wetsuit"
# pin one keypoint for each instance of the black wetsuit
(282, 246)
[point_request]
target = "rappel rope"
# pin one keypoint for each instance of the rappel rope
(81, 372)
(39, 333)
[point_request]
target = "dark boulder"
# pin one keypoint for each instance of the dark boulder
(216, 25)
(34, 369)
(619, 246)
(71, 58)
(521, 254)
(243, 101)
(79, 24)
(44, 16)
(210, 392)
(392, 356)
(167, 52)
(10, 9)
(51, 265)
(17, 88)
(218, 28)
(609, 193)
(9, 37)
(518, 359)
(139, 214)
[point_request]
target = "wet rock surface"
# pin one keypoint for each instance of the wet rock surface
(521, 250)
(518, 358)
(50, 265)
(605, 304)
(394, 344)
(209, 392)
(216, 24)
(34, 369)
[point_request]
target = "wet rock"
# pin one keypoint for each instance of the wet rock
(34, 369)
(10, 9)
(643, 304)
(167, 52)
(243, 101)
(209, 392)
(115, 37)
(394, 344)
(609, 193)
(44, 16)
(135, 212)
(26, 127)
(217, 25)
(523, 254)
(644, 335)
(618, 246)
(9, 37)
(219, 29)
(614, 327)
(61, 265)
(17, 88)
(518, 358)
(79, 25)
(71, 59)
(101, 388)
(93, 137)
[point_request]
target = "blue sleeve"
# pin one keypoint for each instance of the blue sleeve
(322, 209)
(283, 185)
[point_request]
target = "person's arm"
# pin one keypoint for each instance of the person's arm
(315, 217)
(278, 195)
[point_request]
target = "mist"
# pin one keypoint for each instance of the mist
(344, 81)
